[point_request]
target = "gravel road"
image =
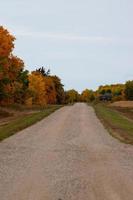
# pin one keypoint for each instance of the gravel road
(67, 156)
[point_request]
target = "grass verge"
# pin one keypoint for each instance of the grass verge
(24, 121)
(128, 112)
(117, 124)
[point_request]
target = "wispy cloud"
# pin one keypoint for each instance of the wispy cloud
(63, 36)
(70, 37)
(74, 38)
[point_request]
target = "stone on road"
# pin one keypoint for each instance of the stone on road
(67, 156)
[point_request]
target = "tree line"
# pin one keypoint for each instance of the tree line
(39, 87)
(18, 85)
(113, 92)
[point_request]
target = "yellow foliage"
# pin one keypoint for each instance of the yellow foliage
(37, 86)
(29, 102)
(87, 95)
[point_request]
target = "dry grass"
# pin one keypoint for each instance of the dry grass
(122, 104)
(124, 107)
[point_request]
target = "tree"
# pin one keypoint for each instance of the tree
(38, 88)
(22, 91)
(102, 91)
(72, 96)
(6, 43)
(60, 95)
(111, 92)
(50, 90)
(10, 68)
(129, 90)
(87, 96)
(108, 91)
(54, 87)
(43, 71)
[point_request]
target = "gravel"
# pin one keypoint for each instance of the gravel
(67, 156)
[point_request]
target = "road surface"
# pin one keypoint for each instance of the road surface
(67, 156)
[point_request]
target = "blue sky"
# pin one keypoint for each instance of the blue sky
(87, 43)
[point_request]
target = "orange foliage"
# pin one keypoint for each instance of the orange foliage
(10, 67)
(15, 66)
(50, 90)
(6, 42)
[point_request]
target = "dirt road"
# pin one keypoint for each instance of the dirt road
(67, 156)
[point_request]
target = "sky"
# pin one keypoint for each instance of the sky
(86, 43)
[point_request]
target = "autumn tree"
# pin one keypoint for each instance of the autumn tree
(87, 96)
(6, 47)
(10, 68)
(43, 71)
(129, 90)
(54, 87)
(60, 95)
(37, 87)
(6, 43)
(50, 90)
(115, 91)
(71, 96)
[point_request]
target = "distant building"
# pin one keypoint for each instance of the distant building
(105, 97)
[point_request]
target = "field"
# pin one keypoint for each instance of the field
(118, 121)
(16, 118)
(124, 107)
(123, 104)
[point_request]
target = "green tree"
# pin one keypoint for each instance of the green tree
(22, 90)
(129, 90)
(60, 95)
(43, 71)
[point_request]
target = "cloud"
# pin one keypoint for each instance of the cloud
(62, 36)
(69, 37)
(105, 40)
